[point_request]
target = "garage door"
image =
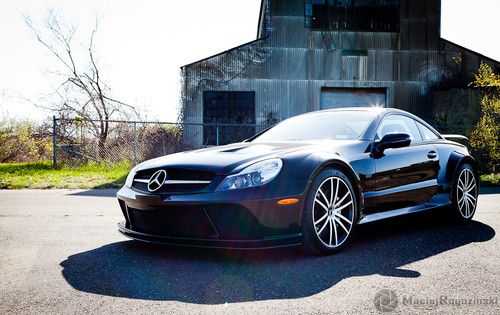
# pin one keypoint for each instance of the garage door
(352, 97)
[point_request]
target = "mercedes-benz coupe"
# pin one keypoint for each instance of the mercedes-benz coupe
(309, 180)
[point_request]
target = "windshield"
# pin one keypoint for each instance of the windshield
(333, 125)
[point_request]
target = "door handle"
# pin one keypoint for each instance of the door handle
(432, 154)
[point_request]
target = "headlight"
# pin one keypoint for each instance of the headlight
(130, 177)
(257, 174)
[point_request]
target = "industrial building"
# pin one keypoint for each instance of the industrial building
(320, 54)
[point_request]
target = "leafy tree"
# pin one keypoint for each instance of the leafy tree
(485, 138)
(485, 77)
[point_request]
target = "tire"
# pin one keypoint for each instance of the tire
(327, 228)
(465, 204)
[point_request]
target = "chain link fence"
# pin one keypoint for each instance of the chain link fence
(78, 141)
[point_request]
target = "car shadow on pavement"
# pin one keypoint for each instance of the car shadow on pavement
(152, 272)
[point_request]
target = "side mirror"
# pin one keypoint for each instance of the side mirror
(391, 141)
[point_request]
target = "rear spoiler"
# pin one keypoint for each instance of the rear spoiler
(455, 137)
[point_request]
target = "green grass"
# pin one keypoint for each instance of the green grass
(41, 175)
(490, 180)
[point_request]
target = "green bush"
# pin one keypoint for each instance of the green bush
(23, 141)
(490, 180)
(485, 138)
(158, 140)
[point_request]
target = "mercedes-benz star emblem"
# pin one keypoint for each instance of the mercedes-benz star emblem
(157, 180)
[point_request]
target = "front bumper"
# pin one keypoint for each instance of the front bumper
(243, 220)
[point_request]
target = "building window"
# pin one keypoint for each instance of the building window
(221, 108)
(353, 15)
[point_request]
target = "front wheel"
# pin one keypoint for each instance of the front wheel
(330, 213)
(465, 193)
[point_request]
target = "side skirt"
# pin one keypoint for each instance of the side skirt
(437, 201)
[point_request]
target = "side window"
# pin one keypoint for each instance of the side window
(427, 133)
(398, 123)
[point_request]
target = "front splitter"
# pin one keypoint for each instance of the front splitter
(265, 243)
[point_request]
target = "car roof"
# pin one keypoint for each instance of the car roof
(363, 109)
(378, 111)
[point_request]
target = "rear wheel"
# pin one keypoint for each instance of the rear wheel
(465, 193)
(330, 213)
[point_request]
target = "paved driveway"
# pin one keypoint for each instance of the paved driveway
(60, 253)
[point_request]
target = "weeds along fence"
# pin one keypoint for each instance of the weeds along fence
(78, 141)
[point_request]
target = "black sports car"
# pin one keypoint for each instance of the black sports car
(307, 181)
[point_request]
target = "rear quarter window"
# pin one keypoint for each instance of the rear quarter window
(427, 134)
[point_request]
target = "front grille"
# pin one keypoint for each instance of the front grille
(178, 174)
(181, 180)
(173, 221)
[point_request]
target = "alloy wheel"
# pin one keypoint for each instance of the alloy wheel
(333, 211)
(466, 193)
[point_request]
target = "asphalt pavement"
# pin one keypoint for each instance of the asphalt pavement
(60, 252)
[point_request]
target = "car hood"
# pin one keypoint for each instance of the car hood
(225, 159)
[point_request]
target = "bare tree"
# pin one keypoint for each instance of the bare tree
(82, 92)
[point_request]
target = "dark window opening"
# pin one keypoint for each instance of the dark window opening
(228, 108)
(353, 15)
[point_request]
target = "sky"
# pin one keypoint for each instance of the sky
(141, 45)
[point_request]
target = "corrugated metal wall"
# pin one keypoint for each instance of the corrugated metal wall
(288, 68)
